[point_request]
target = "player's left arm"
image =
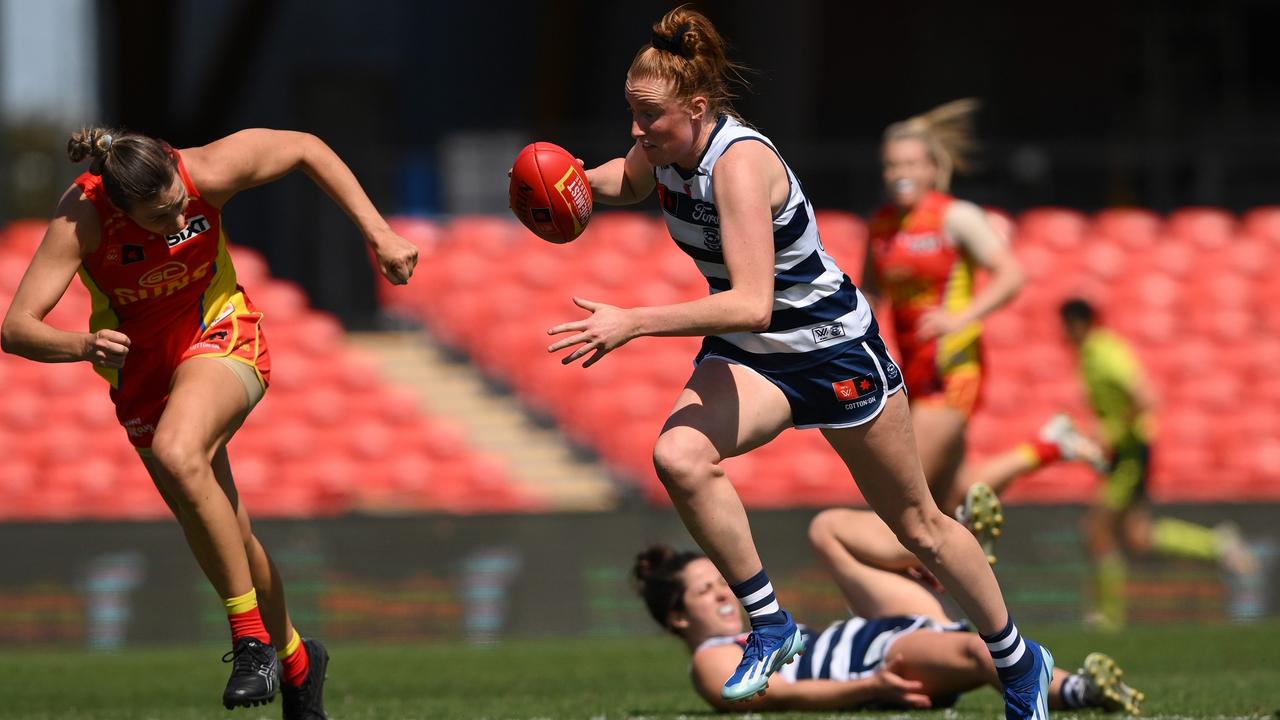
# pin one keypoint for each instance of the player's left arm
(254, 157)
(967, 223)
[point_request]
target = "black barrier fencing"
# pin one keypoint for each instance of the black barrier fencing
(485, 578)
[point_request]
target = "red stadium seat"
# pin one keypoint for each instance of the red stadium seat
(280, 301)
(844, 236)
(1263, 223)
(1128, 226)
(1057, 227)
(251, 266)
(1208, 228)
(1105, 259)
(487, 235)
(22, 237)
(630, 233)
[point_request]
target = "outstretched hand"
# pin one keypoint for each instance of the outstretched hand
(606, 328)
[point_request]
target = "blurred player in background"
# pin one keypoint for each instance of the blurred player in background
(1119, 519)
(789, 341)
(924, 251)
(897, 649)
(182, 347)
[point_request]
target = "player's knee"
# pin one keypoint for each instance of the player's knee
(182, 460)
(822, 529)
(682, 460)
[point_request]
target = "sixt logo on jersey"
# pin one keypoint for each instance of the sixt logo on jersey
(195, 226)
(164, 280)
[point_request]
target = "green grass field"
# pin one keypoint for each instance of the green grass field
(1218, 672)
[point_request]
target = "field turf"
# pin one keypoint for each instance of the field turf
(1187, 672)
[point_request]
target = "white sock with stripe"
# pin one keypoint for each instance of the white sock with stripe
(1073, 692)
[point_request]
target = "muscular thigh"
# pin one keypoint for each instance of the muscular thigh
(207, 404)
(728, 407)
(946, 663)
(940, 438)
(883, 459)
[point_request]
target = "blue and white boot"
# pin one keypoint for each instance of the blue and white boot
(769, 647)
(1027, 697)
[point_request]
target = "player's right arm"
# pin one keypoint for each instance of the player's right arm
(622, 181)
(73, 229)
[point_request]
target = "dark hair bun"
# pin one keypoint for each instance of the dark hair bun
(650, 561)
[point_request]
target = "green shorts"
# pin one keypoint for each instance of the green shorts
(1126, 482)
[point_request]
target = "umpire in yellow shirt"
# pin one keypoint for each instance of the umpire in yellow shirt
(1119, 519)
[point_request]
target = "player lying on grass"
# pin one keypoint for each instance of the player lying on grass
(897, 649)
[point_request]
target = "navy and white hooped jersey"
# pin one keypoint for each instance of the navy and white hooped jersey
(847, 649)
(816, 308)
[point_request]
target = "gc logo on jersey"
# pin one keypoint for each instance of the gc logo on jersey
(164, 280)
(195, 226)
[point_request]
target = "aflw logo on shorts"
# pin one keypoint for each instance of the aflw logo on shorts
(197, 225)
(854, 387)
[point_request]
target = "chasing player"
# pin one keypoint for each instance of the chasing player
(923, 255)
(183, 350)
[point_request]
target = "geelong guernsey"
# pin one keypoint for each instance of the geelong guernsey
(846, 649)
(817, 310)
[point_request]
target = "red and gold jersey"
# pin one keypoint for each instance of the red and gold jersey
(143, 284)
(919, 268)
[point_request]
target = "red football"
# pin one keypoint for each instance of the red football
(550, 193)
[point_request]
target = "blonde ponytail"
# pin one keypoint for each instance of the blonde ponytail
(947, 131)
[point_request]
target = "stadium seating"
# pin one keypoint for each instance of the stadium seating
(1193, 292)
(330, 437)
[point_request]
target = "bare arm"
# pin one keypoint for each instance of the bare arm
(250, 158)
(622, 181)
(74, 227)
(747, 177)
(967, 223)
(712, 665)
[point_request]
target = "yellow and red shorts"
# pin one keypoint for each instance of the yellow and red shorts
(951, 379)
(142, 386)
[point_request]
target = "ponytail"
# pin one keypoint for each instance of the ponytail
(688, 52)
(656, 575)
(133, 167)
(947, 132)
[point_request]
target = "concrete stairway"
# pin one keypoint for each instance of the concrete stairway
(538, 457)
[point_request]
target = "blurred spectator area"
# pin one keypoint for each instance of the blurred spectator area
(1194, 292)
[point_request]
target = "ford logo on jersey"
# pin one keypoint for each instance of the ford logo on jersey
(197, 225)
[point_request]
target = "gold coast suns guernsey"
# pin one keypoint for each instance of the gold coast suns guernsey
(920, 268)
(146, 285)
